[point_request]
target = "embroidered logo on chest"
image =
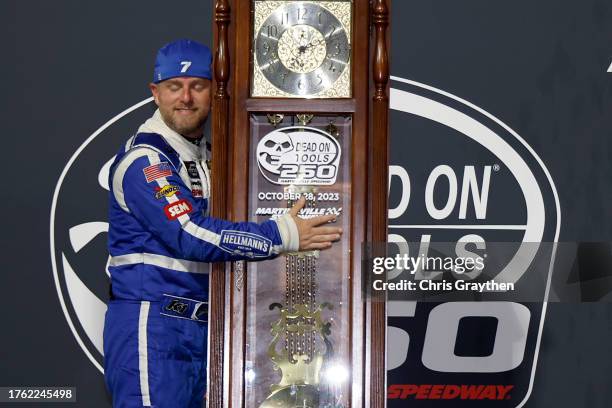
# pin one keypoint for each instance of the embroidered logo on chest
(194, 178)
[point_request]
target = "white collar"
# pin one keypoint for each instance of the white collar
(185, 149)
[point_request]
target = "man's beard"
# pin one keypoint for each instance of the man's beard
(184, 127)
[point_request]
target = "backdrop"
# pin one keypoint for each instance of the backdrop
(535, 74)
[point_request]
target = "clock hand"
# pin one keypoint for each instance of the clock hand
(314, 43)
(290, 46)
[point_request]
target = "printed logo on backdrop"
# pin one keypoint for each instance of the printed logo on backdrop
(460, 175)
(79, 229)
(299, 155)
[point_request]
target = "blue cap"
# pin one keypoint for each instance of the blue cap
(182, 58)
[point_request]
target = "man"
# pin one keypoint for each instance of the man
(161, 238)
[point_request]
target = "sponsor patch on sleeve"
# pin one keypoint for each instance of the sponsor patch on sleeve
(245, 243)
(157, 171)
(175, 210)
(166, 191)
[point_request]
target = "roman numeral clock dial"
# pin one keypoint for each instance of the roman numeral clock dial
(302, 49)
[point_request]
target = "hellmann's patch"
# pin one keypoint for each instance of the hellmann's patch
(245, 243)
(166, 191)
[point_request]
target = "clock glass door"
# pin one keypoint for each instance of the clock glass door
(297, 344)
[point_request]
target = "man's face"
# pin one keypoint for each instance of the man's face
(184, 103)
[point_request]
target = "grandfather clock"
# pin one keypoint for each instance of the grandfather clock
(300, 109)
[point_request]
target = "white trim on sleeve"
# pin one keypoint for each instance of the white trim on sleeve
(180, 265)
(127, 160)
(289, 233)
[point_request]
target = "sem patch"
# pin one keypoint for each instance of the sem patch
(245, 243)
(175, 210)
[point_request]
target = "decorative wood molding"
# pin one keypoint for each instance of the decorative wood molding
(379, 205)
(292, 106)
(220, 129)
(380, 20)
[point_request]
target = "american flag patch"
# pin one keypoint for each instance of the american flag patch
(157, 171)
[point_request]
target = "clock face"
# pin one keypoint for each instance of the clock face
(302, 49)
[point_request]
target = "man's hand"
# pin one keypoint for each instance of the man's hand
(312, 235)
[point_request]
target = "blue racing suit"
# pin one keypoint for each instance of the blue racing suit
(160, 241)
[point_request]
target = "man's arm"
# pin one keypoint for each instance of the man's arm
(139, 183)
